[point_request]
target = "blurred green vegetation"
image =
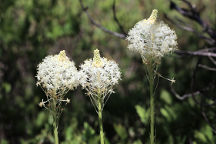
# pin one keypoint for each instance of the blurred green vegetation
(32, 29)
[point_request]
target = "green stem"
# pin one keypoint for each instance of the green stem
(100, 121)
(56, 133)
(55, 124)
(151, 89)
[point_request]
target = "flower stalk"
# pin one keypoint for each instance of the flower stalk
(151, 76)
(56, 132)
(100, 119)
(98, 77)
(56, 75)
(152, 39)
(54, 113)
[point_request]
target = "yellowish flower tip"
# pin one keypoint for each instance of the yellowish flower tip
(62, 56)
(97, 59)
(153, 16)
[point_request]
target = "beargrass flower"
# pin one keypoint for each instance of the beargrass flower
(98, 77)
(152, 39)
(56, 75)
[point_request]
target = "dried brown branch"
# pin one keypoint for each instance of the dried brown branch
(116, 34)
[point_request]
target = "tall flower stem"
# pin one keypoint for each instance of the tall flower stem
(150, 70)
(100, 120)
(55, 121)
(56, 133)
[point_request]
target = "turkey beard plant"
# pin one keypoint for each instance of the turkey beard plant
(98, 76)
(152, 39)
(56, 75)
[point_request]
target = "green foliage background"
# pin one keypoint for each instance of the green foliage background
(32, 29)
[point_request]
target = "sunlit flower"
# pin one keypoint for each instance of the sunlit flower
(152, 39)
(56, 74)
(98, 76)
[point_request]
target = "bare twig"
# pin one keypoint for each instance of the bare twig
(212, 60)
(185, 95)
(195, 93)
(116, 34)
(206, 67)
(193, 80)
(187, 27)
(196, 53)
(116, 19)
(193, 14)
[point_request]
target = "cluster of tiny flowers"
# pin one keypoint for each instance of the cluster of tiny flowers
(152, 39)
(56, 74)
(99, 75)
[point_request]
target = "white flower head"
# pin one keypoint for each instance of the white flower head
(98, 76)
(56, 74)
(152, 39)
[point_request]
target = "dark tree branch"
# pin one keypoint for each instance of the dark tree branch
(196, 53)
(178, 96)
(116, 34)
(116, 19)
(195, 93)
(194, 15)
(187, 27)
(193, 79)
(207, 67)
(212, 60)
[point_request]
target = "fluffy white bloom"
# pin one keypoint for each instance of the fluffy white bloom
(98, 76)
(56, 74)
(152, 39)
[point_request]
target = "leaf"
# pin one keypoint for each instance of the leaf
(3, 141)
(7, 87)
(70, 130)
(208, 132)
(165, 96)
(200, 136)
(165, 114)
(41, 118)
(121, 131)
(205, 135)
(89, 134)
(143, 113)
